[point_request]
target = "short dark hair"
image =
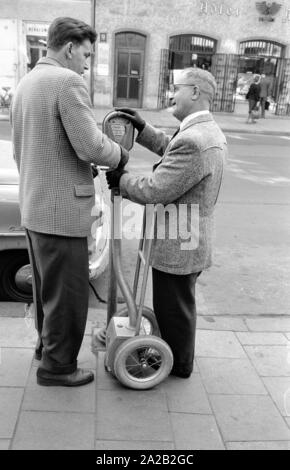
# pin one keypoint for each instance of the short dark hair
(63, 30)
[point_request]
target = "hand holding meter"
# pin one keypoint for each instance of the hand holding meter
(119, 129)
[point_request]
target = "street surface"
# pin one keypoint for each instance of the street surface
(251, 271)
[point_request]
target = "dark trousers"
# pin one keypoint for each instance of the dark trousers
(175, 310)
(60, 294)
(262, 103)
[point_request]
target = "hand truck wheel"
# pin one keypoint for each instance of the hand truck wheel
(142, 362)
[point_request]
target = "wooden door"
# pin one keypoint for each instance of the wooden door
(129, 78)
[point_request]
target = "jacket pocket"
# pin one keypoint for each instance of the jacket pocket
(84, 190)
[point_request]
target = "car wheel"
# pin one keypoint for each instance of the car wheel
(15, 276)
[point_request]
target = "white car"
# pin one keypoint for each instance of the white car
(15, 270)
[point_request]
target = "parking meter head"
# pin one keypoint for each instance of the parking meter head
(119, 129)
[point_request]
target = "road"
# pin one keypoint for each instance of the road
(251, 270)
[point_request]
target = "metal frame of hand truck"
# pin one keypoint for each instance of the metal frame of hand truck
(135, 353)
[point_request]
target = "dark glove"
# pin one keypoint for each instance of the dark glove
(114, 176)
(95, 170)
(134, 117)
(124, 158)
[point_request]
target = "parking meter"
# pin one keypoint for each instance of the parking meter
(119, 129)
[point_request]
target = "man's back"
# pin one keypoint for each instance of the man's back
(55, 137)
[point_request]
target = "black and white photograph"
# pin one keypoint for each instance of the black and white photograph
(144, 228)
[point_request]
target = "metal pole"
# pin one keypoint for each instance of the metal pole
(92, 78)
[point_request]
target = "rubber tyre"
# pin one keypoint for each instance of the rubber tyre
(131, 350)
(11, 262)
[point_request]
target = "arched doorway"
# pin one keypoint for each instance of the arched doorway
(191, 50)
(129, 69)
(257, 57)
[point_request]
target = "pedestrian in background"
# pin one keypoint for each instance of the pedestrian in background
(188, 173)
(55, 139)
(253, 97)
(265, 92)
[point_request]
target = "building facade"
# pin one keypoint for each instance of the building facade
(142, 43)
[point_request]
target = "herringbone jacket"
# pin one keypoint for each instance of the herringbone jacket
(187, 182)
(55, 137)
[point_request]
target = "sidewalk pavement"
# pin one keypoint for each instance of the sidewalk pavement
(237, 398)
(229, 122)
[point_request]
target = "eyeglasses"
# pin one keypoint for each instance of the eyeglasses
(175, 88)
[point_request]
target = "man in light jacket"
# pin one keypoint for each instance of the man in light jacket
(55, 139)
(187, 177)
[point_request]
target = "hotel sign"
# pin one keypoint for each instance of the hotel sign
(215, 8)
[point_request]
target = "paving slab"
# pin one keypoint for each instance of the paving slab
(15, 365)
(54, 431)
(10, 402)
(218, 344)
(105, 380)
(249, 418)
(4, 444)
(269, 324)
(279, 389)
(195, 432)
(86, 358)
(186, 396)
(62, 399)
(221, 323)
(17, 333)
(12, 309)
(134, 445)
(271, 361)
(260, 339)
(132, 415)
(264, 445)
(230, 377)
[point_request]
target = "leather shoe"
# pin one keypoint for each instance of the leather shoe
(182, 373)
(78, 377)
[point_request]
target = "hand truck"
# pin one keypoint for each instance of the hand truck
(135, 353)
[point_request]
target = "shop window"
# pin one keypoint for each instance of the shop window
(189, 50)
(36, 48)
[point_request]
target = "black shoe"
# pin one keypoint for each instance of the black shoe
(78, 377)
(182, 373)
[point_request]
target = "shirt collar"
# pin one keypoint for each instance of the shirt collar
(50, 61)
(192, 116)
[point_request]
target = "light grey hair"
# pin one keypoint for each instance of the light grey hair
(204, 79)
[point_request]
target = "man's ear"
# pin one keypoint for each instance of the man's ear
(68, 50)
(195, 93)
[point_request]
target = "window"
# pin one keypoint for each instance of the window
(261, 48)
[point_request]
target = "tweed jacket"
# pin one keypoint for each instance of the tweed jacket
(55, 138)
(187, 182)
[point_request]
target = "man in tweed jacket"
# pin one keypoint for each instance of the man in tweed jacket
(55, 140)
(187, 178)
